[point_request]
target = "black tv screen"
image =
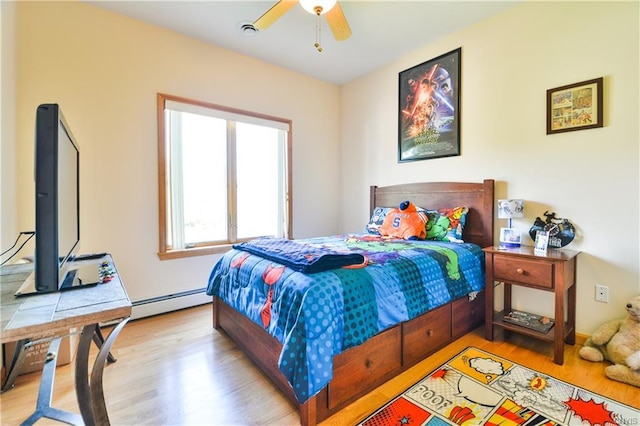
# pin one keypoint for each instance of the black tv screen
(57, 179)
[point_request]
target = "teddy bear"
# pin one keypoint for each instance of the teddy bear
(618, 341)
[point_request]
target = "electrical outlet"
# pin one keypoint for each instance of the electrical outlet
(602, 293)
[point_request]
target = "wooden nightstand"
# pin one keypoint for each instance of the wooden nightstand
(554, 271)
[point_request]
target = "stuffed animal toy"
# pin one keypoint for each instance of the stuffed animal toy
(618, 341)
(405, 222)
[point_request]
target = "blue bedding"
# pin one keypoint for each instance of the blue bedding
(318, 315)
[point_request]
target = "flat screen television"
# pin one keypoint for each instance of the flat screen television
(57, 205)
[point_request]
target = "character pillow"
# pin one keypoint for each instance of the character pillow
(446, 224)
(406, 222)
(377, 219)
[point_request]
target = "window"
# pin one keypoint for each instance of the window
(223, 176)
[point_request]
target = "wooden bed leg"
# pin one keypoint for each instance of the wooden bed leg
(216, 320)
(308, 412)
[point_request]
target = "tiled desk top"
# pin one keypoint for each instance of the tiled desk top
(28, 316)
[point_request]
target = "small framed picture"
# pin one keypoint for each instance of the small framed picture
(510, 237)
(542, 242)
(575, 106)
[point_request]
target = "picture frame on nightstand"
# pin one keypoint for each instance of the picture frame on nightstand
(541, 243)
(510, 237)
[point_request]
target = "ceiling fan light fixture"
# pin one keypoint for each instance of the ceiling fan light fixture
(312, 6)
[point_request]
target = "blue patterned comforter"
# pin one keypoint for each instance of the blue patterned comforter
(317, 316)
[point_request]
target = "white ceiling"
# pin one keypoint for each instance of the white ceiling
(383, 31)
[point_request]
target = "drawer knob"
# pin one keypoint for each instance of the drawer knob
(520, 271)
(368, 363)
(429, 333)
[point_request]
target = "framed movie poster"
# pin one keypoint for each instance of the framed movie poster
(429, 112)
(575, 106)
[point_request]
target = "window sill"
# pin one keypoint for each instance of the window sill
(196, 251)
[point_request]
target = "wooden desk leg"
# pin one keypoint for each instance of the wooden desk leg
(89, 392)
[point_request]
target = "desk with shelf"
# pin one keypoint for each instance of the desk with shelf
(554, 272)
(55, 314)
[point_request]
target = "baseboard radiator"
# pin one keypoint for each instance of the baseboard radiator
(169, 302)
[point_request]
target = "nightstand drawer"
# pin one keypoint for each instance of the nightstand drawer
(534, 273)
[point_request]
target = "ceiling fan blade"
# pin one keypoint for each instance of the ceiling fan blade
(272, 15)
(338, 23)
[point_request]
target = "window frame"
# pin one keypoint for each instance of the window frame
(164, 251)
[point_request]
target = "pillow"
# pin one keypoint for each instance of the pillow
(377, 219)
(446, 224)
(407, 222)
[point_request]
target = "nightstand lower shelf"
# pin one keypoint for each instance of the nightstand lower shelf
(550, 336)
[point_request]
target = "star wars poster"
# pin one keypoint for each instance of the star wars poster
(429, 115)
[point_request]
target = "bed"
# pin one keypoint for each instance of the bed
(323, 364)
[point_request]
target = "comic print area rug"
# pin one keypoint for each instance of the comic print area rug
(479, 388)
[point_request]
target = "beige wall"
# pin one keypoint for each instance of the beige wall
(508, 63)
(105, 70)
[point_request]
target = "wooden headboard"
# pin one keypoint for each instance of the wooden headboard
(441, 195)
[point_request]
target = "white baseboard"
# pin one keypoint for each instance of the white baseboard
(161, 305)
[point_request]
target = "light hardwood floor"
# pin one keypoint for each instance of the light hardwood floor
(175, 369)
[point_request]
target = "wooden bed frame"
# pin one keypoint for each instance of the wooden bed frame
(361, 369)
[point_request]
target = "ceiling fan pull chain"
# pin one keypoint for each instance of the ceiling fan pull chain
(318, 30)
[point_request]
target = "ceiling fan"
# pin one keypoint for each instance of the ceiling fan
(329, 8)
